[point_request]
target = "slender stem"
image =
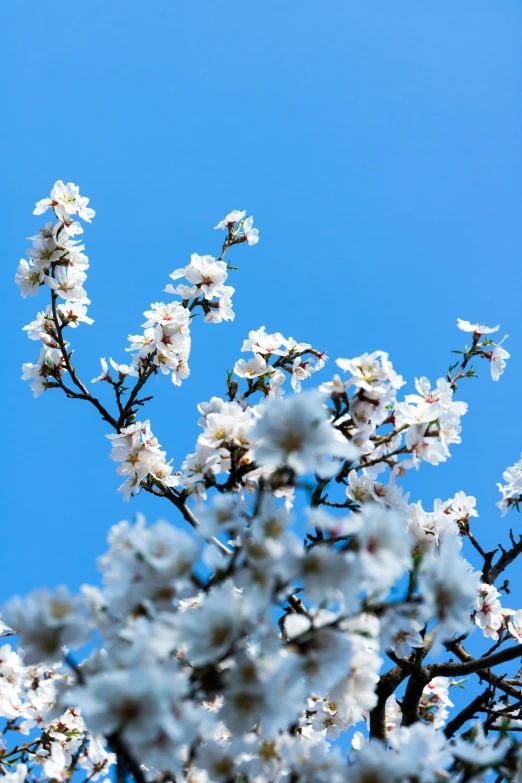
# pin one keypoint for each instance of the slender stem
(85, 394)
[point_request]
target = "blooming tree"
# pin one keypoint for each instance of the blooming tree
(229, 649)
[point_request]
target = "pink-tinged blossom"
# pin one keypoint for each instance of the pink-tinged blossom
(488, 611)
(140, 457)
(204, 272)
(498, 359)
(251, 234)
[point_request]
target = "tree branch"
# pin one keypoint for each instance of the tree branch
(467, 713)
(412, 697)
(506, 558)
(474, 665)
(386, 686)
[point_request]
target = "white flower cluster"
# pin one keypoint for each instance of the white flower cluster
(244, 231)
(56, 260)
(197, 682)
(495, 620)
(207, 277)
(511, 491)
(433, 420)
(489, 614)
(230, 431)
(140, 458)
(299, 360)
(498, 355)
(450, 517)
(246, 659)
(374, 384)
(29, 692)
(226, 428)
(165, 343)
(421, 428)
(160, 636)
(429, 420)
(45, 372)
(59, 263)
(48, 622)
(295, 433)
(435, 702)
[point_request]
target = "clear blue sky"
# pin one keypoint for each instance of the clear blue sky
(378, 146)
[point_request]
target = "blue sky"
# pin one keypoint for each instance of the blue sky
(377, 146)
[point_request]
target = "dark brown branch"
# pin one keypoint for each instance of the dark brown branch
(138, 386)
(475, 664)
(499, 682)
(386, 686)
(412, 697)
(84, 392)
(467, 713)
(125, 759)
(505, 560)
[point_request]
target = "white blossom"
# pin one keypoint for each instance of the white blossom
(478, 329)
(498, 359)
(231, 218)
(47, 622)
(448, 586)
(296, 432)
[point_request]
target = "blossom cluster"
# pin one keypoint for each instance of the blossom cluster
(140, 458)
(49, 738)
(299, 360)
(165, 342)
(497, 356)
(193, 675)
(57, 262)
(511, 491)
(435, 703)
(207, 277)
(495, 620)
(243, 650)
(420, 428)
